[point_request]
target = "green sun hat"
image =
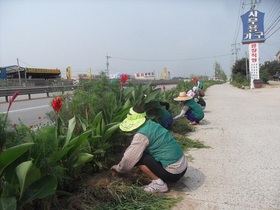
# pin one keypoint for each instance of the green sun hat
(132, 121)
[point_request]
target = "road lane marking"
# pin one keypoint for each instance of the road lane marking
(20, 110)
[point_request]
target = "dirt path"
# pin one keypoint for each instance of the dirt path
(241, 170)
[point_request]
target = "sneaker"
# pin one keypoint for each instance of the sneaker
(156, 186)
(193, 123)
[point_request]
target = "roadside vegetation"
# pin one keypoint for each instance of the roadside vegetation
(65, 165)
(240, 72)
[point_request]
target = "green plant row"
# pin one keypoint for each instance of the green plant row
(37, 164)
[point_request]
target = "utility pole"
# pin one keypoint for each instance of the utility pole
(234, 50)
(253, 3)
(107, 65)
(246, 64)
(19, 77)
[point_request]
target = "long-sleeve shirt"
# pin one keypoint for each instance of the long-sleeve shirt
(134, 152)
(182, 113)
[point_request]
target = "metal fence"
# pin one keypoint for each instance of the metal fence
(8, 83)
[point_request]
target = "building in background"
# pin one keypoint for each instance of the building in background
(145, 75)
(18, 72)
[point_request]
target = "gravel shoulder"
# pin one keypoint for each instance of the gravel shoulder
(241, 169)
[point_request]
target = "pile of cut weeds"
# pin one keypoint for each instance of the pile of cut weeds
(105, 190)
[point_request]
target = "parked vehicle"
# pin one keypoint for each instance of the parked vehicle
(276, 77)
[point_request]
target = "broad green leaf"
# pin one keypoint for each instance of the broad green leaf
(110, 131)
(9, 203)
(42, 188)
(60, 154)
(127, 91)
(97, 119)
(120, 115)
(71, 127)
(22, 170)
(83, 123)
(127, 104)
(83, 158)
(75, 142)
(11, 154)
(152, 95)
(97, 123)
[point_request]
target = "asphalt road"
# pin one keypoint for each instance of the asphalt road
(241, 169)
(30, 112)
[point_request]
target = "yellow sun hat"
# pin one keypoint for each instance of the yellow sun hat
(133, 120)
(182, 97)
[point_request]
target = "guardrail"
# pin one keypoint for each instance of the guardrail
(35, 90)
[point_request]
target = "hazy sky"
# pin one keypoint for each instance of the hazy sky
(185, 36)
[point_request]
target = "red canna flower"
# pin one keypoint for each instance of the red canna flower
(11, 99)
(57, 104)
(163, 87)
(123, 78)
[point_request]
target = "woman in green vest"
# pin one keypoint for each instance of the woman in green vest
(153, 150)
(191, 109)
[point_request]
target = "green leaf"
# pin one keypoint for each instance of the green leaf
(127, 91)
(102, 127)
(75, 142)
(22, 170)
(60, 154)
(42, 188)
(97, 123)
(8, 203)
(83, 123)
(152, 96)
(11, 154)
(83, 158)
(97, 119)
(110, 131)
(71, 127)
(120, 115)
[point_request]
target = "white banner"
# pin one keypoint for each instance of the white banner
(254, 62)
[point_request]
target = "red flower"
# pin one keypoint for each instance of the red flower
(57, 104)
(11, 99)
(123, 78)
(163, 87)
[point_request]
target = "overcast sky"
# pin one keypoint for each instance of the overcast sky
(185, 36)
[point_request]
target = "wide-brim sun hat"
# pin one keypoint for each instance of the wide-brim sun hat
(182, 97)
(133, 121)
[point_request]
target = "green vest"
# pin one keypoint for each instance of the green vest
(163, 114)
(195, 108)
(163, 146)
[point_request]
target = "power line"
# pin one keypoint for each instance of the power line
(273, 32)
(238, 22)
(160, 60)
(25, 63)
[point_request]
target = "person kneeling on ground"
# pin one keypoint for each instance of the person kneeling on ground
(153, 150)
(191, 109)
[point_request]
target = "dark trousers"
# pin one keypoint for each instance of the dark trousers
(157, 168)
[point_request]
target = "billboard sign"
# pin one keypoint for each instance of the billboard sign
(253, 29)
(254, 61)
